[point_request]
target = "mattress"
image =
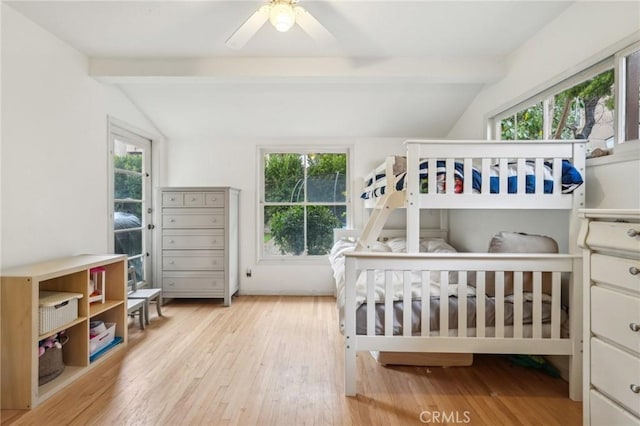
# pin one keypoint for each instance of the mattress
(434, 318)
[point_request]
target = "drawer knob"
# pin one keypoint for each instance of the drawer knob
(634, 388)
(634, 271)
(634, 327)
(172, 199)
(171, 241)
(172, 220)
(633, 233)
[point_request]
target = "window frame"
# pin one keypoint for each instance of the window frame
(262, 257)
(621, 92)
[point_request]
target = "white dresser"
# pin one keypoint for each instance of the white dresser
(611, 243)
(199, 242)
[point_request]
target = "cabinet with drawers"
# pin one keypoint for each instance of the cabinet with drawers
(199, 242)
(611, 243)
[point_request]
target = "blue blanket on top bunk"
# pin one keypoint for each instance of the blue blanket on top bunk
(571, 179)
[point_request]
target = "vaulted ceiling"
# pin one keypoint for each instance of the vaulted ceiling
(399, 68)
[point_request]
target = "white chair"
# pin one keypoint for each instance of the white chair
(136, 307)
(147, 295)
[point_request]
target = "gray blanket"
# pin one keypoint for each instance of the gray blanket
(416, 315)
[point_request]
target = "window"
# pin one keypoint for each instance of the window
(130, 164)
(601, 103)
(580, 108)
(304, 197)
(524, 124)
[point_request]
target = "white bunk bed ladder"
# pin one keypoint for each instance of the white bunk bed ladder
(385, 205)
(391, 200)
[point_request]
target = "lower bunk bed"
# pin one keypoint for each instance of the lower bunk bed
(495, 303)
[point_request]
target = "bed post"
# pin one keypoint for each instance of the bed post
(350, 327)
(575, 309)
(579, 162)
(577, 286)
(412, 196)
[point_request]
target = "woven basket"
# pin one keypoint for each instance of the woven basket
(50, 365)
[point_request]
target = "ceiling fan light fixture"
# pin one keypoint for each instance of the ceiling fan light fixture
(282, 16)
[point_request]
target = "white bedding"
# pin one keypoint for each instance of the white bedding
(395, 245)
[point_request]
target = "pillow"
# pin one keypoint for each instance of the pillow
(397, 244)
(517, 242)
(380, 247)
(425, 245)
(437, 245)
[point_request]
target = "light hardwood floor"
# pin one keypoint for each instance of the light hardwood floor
(279, 361)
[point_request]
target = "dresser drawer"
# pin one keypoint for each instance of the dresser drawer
(185, 260)
(193, 199)
(613, 315)
(605, 412)
(172, 199)
(214, 199)
(193, 239)
(613, 372)
(210, 220)
(617, 271)
(195, 282)
(614, 236)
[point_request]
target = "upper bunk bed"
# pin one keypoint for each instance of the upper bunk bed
(531, 174)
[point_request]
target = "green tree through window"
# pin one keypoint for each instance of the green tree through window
(574, 112)
(304, 200)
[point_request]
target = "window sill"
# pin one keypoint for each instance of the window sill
(628, 151)
(295, 260)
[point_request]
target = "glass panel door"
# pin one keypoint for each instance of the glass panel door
(132, 201)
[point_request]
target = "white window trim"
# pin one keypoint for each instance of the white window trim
(302, 149)
(621, 104)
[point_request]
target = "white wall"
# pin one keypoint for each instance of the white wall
(217, 162)
(614, 185)
(54, 146)
(582, 32)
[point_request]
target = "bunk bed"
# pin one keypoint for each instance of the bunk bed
(526, 310)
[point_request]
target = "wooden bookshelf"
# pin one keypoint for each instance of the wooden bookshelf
(20, 287)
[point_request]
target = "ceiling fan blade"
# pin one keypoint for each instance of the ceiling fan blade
(248, 28)
(311, 26)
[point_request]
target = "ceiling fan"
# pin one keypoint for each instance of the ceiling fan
(283, 14)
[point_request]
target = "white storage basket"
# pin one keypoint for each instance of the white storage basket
(103, 339)
(57, 309)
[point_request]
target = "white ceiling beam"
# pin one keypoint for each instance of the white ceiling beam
(442, 70)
